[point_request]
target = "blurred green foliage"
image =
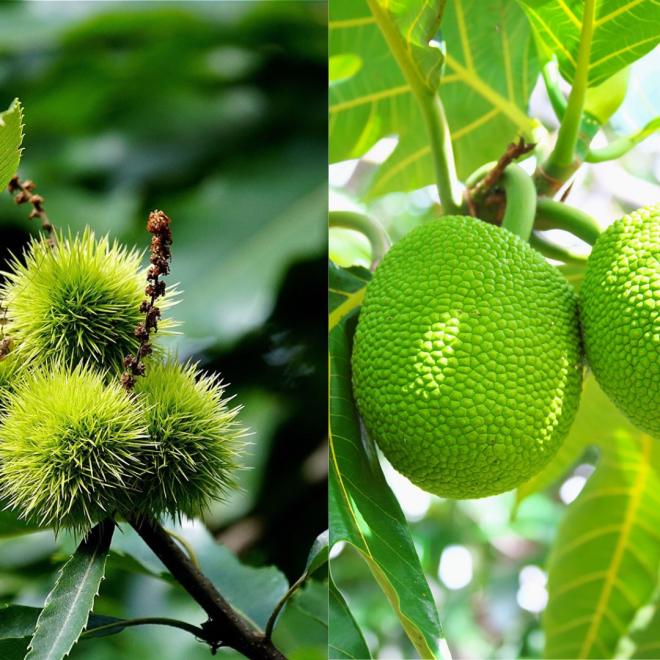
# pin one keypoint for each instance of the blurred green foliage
(216, 113)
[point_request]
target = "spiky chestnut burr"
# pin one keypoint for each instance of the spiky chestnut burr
(197, 436)
(73, 447)
(77, 302)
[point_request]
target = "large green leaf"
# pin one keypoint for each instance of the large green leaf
(346, 639)
(604, 564)
(624, 30)
(346, 293)
(645, 638)
(365, 513)
(68, 605)
(489, 76)
(302, 631)
(11, 137)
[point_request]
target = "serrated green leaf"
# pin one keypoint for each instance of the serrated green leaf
(365, 513)
(346, 640)
(489, 75)
(604, 564)
(596, 422)
(624, 31)
(19, 622)
(11, 137)
(69, 603)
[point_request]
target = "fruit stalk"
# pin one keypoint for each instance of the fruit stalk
(432, 110)
(520, 201)
(551, 214)
(377, 236)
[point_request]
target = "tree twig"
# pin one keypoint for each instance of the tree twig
(225, 626)
(513, 151)
(23, 193)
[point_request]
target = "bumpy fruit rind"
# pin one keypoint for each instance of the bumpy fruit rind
(466, 364)
(620, 302)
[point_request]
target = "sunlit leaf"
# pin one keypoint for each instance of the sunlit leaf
(489, 75)
(604, 564)
(346, 293)
(624, 31)
(645, 638)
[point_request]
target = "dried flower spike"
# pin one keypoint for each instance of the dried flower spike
(73, 447)
(158, 225)
(23, 192)
(76, 303)
(197, 437)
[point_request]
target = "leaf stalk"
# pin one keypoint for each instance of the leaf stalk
(561, 162)
(432, 110)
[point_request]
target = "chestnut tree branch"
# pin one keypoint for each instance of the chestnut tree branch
(225, 626)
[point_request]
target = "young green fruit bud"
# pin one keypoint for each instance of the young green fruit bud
(73, 447)
(79, 301)
(197, 437)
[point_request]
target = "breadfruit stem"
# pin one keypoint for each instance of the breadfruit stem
(551, 214)
(432, 110)
(553, 251)
(225, 626)
(622, 145)
(374, 232)
(561, 163)
(520, 201)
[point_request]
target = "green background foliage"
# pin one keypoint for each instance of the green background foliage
(216, 113)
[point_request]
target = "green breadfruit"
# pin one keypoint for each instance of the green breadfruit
(467, 363)
(620, 300)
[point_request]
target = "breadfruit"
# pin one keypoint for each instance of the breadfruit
(467, 360)
(620, 303)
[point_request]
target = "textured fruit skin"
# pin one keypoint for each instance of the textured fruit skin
(467, 360)
(620, 301)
